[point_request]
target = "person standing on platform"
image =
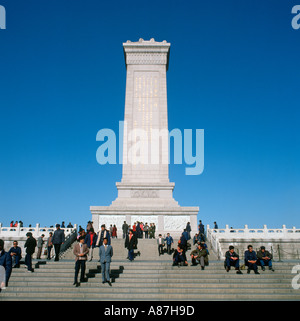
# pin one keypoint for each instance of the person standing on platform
(57, 240)
(30, 245)
(106, 253)
(160, 244)
(183, 241)
(40, 243)
(101, 235)
(125, 229)
(146, 230)
(49, 246)
(169, 241)
(90, 240)
(114, 232)
(80, 251)
(188, 229)
(130, 244)
(201, 230)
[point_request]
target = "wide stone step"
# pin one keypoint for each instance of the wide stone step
(209, 283)
(148, 296)
(106, 289)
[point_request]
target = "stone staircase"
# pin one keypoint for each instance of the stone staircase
(149, 277)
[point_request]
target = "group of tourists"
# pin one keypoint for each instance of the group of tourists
(11, 259)
(88, 240)
(16, 224)
(140, 229)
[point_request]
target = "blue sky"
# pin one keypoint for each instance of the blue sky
(234, 72)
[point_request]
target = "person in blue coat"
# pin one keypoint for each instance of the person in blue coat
(5, 261)
(106, 253)
(251, 259)
(169, 241)
(186, 234)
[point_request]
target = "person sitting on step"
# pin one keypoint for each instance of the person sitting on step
(200, 255)
(251, 259)
(232, 259)
(179, 257)
(264, 258)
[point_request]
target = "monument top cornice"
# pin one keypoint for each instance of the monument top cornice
(147, 52)
(146, 43)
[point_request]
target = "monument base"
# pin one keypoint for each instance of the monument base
(167, 220)
(151, 203)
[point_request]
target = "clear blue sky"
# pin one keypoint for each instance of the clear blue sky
(234, 72)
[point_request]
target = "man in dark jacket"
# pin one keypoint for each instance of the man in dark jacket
(30, 245)
(188, 229)
(125, 229)
(183, 241)
(232, 259)
(5, 261)
(251, 259)
(265, 258)
(58, 239)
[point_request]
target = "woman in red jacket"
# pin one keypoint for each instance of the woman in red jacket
(114, 232)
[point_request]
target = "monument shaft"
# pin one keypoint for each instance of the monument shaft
(145, 193)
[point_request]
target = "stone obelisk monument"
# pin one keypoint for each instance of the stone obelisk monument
(145, 193)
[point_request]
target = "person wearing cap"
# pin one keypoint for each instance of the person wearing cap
(30, 245)
(265, 258)
(40, 243)
(58, 239)
(5, 261)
